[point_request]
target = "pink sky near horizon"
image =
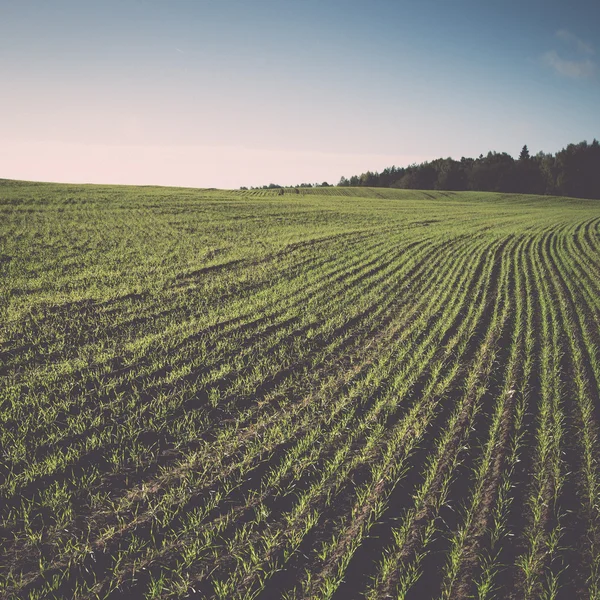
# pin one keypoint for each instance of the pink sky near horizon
(184, 166)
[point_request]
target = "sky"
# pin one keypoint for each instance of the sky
(230, 93)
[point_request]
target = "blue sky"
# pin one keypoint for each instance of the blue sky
(226, 93)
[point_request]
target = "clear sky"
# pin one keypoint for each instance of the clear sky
(224, 93)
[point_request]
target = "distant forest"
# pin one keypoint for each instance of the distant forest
(574, 171)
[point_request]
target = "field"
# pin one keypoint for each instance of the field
(345, 393)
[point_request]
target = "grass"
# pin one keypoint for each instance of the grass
(341, 393)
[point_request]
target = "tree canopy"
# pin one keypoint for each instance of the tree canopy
(574, 171)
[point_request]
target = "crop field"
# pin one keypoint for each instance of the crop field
(342, 393)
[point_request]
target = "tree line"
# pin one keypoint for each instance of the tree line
(574, 171)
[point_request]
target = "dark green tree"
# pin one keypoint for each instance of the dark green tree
(574, 171)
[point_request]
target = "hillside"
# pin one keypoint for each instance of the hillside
(341, 393)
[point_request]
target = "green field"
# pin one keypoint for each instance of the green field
(343, 393)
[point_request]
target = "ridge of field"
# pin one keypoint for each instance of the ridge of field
(336, 393)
